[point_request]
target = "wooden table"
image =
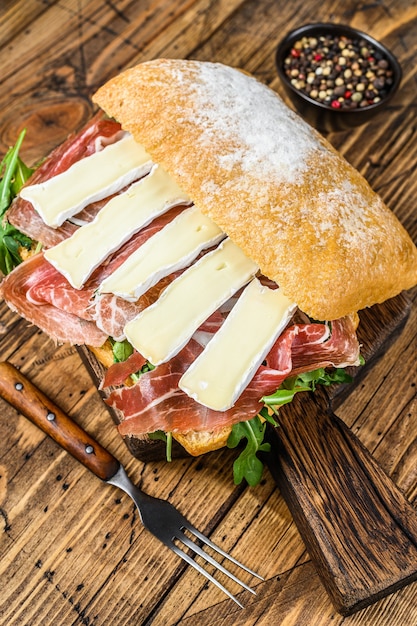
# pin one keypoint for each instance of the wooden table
(72, 549)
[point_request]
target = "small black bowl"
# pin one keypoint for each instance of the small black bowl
(320, 114)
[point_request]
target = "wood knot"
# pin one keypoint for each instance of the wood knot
(47, 124)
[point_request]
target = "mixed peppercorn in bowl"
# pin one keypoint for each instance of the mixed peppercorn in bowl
(336, 76)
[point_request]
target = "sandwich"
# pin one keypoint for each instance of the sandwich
(210, 248)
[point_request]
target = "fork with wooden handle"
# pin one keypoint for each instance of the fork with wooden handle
(160, 517)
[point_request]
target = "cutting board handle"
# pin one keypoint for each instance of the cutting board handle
(359, 529)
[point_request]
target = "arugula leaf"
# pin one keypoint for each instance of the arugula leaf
(121, 350)
(247, 465)
(10, 242)
(148, 367)
(13, 174)
(159, 435)
(305, 382)
(21, 173)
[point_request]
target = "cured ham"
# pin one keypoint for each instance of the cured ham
(156, 403)
(35, 287)
(61, 325)
(36, 283)
(112, 313)
(337, 346)
(119, 372)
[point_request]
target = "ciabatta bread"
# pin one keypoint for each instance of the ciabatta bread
(276, 187)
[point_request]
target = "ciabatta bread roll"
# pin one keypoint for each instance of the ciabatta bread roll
(276, 187)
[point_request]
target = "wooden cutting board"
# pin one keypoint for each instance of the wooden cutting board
(359, 529)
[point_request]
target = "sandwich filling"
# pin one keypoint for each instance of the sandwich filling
(215, 335)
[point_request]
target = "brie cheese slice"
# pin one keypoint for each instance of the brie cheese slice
(124, 215)
(228, 363)
(162, 330)
(92, 178)
(172, 248)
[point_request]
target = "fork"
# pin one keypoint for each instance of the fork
(159, 516)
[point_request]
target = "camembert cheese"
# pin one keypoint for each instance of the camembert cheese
(172, 248)
(161, 330)
(230, 360)
(92, 178)
(125, 214)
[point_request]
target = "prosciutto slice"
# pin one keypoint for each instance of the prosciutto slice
(156, 403)
(119, 372)
(318, 343)
(59, 324)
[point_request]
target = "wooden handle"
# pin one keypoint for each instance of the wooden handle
(33, 404)
(359, 529)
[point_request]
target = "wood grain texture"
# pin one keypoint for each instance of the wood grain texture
(72, 551)
(359, 529)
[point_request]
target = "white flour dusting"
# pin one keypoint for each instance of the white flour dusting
(254, 121)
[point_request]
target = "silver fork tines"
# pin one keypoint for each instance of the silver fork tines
(166, 523)
(198, 550)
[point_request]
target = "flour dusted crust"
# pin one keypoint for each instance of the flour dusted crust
(274, 185)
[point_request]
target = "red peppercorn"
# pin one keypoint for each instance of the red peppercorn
(295, 53)
(336, 104)
(348, 94)
(317, 57)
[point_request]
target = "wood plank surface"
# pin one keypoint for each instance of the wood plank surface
(72, 549)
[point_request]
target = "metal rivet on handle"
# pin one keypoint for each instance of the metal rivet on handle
(50, 416)
(18, 386)
(89, 449)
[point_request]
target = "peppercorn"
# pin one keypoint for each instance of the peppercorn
(339, 71)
